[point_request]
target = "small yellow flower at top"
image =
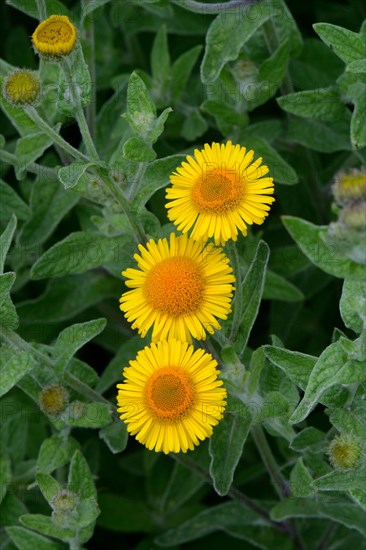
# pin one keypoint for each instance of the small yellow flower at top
(21, 87)
(55, 36)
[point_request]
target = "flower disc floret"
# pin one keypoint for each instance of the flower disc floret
(180, 289)
(171, 396)
(22, 87)
(55, 36)
(218, 192)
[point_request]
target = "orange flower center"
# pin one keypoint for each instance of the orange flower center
(218, 191)
(175, 286)
(169, 393)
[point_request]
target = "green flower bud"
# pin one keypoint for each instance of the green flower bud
(344, 452)
(53, 400)
(21, 87)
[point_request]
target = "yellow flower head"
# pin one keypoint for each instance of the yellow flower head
(350, 186)
(344, 452)
(55, 36)
(180, 288)
(219, 192)
(171, 397)
(21, 87)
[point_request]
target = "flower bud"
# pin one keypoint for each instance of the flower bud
(55, 37)
(350, 186)
(344, 452)
(53, 400)
(21, 87)
(353, 215)
(65, 501)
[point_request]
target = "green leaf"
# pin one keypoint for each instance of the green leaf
(181, 71)
(82, 251)
(194, 126)
(68, 296)
(357, 66)
(317, 135)
(228, 517)
(120, 514)
(358, 127)
(141, 111)
(80, 478)
(25, 539)
(270, 76)
(278, 288)
(13, 366)
(311, 240)
(347, 45)
(308, 438)
(297, 366)
(10, 202)
(8, 314)
(30, 7)
(5, 472)
(341, 481)
(331, 368)
(160, 59)
(72, 338)
(301, 480)
(30, 147)
(158, 125)
(49, 486)
(6, 240)
(226, 447)
(49, 203)
(353, 304)
(137, 150)
(87, 415)
(346, 514)
(359, 496)
(227, 35)
(88, 7)
(183, 484)
(349, 421)
(115, 436)
(252, 290)
(155, 177)
(56, 451)
(323, 104)
(280, 170)
(45, 525)
(74, 173)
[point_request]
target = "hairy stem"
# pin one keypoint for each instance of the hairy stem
(238, 299)
(90, 58)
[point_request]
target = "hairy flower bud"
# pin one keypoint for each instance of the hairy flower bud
(344, 452)
(53, 400)
(350, 186)
(21, 87)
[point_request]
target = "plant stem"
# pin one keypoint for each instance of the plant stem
(42, 9)
(79, 111)
(33, 167)
(270, 463)
(211, 9)
(42, 124)
(238, 299)
(91, 107)
(136, 180)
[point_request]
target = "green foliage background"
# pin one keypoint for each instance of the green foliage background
(158, 80)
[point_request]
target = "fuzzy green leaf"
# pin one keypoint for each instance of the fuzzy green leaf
(8, 314)
(226, 447)
(227, 35)
(87, 415)
(49, 486)
(74, 173)
(5, 472)
(347, 45)
(137, 150)
(13, 366)
(181, 70)
(278, 288)
(25, 539)
(56, 451)
(80, 478)
(353, 304)
(301, 480)
(297, 366)
(10, 203)
(323, 104)
(341, 481)
(79, 252)
(45, 525)
(160, 59)
(323, 255)
(115, 436)
(6, 240)
(30, 147)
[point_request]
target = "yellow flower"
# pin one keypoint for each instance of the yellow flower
(219, 192)
(21, 87)
(171, 397)
(180, 287)
(55, 36)
(350, 186)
